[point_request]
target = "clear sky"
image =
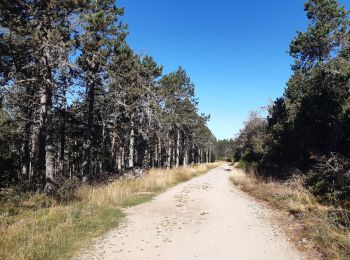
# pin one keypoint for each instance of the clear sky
(235, 51)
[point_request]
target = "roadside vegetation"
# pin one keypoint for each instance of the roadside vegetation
(307, 129)
(79, 108)
(35, 226)
(298, 155)
(322, 226)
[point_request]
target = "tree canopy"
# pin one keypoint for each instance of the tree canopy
(77, 102)
(309, 124)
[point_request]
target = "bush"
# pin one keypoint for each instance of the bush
(67, 191)
(329, 180)
(8, 169)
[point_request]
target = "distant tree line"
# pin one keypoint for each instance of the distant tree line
(76, 101)
(308, 128)
(224, 149)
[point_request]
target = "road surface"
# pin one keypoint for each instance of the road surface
(204, 218)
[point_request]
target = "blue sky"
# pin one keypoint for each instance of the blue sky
(235, 51)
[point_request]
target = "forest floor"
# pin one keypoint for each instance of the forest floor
(204, 218)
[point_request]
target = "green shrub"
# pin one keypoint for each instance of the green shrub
(67, 191)
(329, 180)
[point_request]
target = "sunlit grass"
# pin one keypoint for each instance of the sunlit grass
(125, 191)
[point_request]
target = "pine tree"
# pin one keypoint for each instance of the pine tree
(325, 35)
(81, 102)
(100, 29)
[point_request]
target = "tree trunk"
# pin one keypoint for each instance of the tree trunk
(103, 147)
(33, 153)
(155, 159)
(122, 164)
(26, 152)
(168, 164)
(62, 139)
(42, 137)
(88, 137)
(63, 128)
(145, 158)
(185, 152)
(160, 152)
(172, 154)
(193, 159)
(178, 149)
(46, 103)
(113, 149)
(131, 145)
(149, 157)
(27, 135)
(100, 166)
(119, 159)
(46, 149)
(209, 154)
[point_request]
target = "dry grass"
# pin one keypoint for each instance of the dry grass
(325, 227)
(37, 227)
(127, 192)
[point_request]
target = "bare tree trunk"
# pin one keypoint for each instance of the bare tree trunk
(33, 153)
(172, 154)
(46, 109)
(122, 164)
(160, 151)
(27, 136)
(119, 161)
(131, 145)
(100, 166)
(155, 159)
(62, 139)
(168, 165)
(63, 128)
(146, 157)
(185, 157)
(26, 152)
(42, 137)
(103, 147)
(149, 156)
(178, 149)
(193, 155)
(185, 152)
(70, 167)
(88, 137)
(207, 155)
(210, 154)
(113, 149)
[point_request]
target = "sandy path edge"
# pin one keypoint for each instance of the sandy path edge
(204, 218)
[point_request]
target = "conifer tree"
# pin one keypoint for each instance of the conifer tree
(99, 30)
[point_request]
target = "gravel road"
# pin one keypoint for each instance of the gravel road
(204, 218)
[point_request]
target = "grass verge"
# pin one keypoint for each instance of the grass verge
(37, 227)
(326, 228)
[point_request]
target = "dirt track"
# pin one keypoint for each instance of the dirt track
(204, 218)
